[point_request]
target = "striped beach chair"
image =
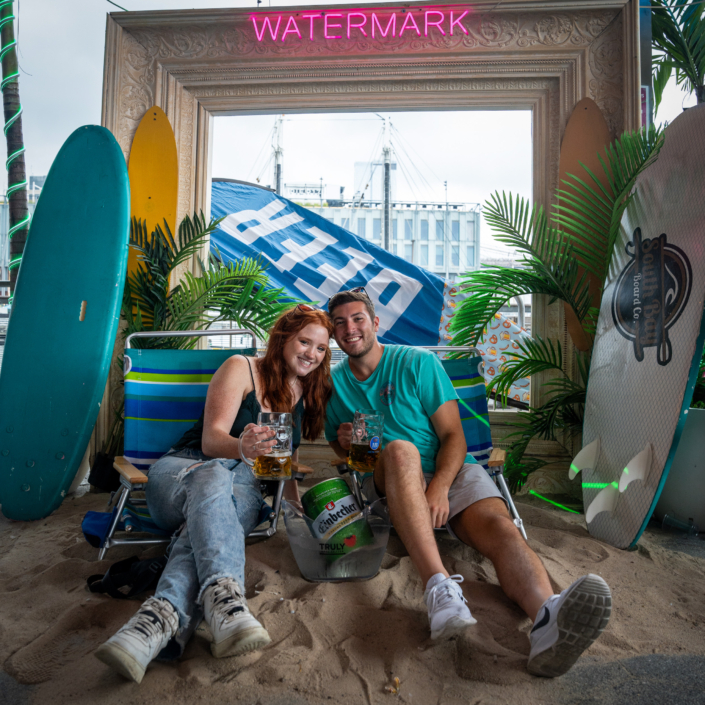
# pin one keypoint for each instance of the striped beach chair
(165, 394)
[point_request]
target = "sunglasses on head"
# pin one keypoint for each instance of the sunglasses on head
(356, 290)
(301, 307)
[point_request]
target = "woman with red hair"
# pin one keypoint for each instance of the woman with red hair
(204, 485)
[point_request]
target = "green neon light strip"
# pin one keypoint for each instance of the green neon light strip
(24, 222)
(22, 185)
(560, 506)
(9, 79)
(9, 123)
(599, 485)
(6, 49)
(477, 416)
(16, 187)
(13, 156)
(574, 468)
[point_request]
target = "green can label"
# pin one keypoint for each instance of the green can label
(330, 506)
(351, 537)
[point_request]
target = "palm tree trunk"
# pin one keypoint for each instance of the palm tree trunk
(16, 175)
(700, 94)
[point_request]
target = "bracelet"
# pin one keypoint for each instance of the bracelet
(244, 459)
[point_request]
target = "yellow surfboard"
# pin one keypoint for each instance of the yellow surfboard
(154, 175)
(586, 135)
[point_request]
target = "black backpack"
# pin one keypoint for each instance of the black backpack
(129, 578)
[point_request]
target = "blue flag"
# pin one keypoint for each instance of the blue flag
(313, 259)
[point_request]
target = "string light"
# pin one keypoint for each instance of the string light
(560, 506)
(17, 185)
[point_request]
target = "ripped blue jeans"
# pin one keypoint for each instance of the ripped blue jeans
(220, 503)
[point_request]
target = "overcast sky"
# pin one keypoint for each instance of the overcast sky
(61, 46)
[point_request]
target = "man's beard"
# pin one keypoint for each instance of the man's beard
(362, 352)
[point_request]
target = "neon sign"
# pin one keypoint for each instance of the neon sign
(356, 24)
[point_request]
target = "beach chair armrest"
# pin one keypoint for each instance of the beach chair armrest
(127, 470)
(301, 469)
(498, 457)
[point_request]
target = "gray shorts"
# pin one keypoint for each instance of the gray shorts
(471, 484)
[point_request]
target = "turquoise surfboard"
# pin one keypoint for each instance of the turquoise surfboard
(63, 324)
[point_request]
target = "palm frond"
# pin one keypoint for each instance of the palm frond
(535, 355)
(591, 213)
(678, 30)
(237, 291)
(662, 72)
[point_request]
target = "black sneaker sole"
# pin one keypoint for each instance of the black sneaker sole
(582, 617)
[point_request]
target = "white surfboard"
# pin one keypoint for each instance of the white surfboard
(649, 340)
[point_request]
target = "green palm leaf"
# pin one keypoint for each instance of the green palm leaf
(591, 213)
(549, 266)
(678, 33)
(535, 355)
(238, 291)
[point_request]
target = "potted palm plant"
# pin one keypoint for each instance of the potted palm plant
(565, 257)
(235, 291)
(678, 39)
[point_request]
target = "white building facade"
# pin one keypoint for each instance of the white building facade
(442, 238)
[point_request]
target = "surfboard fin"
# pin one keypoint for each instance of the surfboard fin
(605, 501)
(637, 468)
(585, 459)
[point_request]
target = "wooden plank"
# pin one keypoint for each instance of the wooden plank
(497, 457)
(129, 471)
(303, 469)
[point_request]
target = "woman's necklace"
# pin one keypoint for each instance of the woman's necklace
(294, 386)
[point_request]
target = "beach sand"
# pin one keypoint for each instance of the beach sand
(347, 642)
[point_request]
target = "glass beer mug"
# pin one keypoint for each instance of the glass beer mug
(276, 465)
(366, 443)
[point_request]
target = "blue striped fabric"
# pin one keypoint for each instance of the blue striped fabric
(165, 392)
(469, 385)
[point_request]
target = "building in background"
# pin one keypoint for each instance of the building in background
(443, 238)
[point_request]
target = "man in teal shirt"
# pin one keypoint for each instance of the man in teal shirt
(429, 481)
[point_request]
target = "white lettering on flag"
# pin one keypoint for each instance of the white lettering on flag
(263, 217)
(299, 253)
(335, 279)
(389, 312)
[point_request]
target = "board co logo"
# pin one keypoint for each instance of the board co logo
(651, 293)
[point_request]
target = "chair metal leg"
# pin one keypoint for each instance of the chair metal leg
(502, 485)
(116, 519)
(273, 516)
(343, 468)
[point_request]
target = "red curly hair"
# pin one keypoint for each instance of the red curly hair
(317, 386)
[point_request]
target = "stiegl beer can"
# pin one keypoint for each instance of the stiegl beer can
(337, 520)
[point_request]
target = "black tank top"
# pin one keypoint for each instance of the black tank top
(249, 409)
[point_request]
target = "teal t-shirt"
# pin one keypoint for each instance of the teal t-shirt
(408, 387)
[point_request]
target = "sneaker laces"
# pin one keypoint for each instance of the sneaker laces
(446, 591)
(154, 619)
(227, 599)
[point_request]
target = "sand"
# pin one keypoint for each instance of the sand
(347, 642)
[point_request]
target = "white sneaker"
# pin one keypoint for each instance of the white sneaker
(567, 624)
(235, 631)
(131, 649)
(448, 613)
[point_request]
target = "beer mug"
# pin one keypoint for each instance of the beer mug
(366, 443)
(276, 465)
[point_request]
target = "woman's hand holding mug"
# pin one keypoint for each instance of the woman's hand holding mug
(255, 441)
